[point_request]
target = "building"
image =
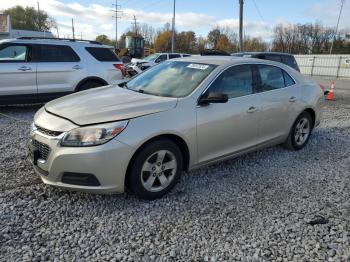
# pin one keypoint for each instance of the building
(6, 31)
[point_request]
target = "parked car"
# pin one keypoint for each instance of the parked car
(284, 58)
(36, 69)
(139, 65)
(214, 52)
(176, 116)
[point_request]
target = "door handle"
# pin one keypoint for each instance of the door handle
(77, 67)
(24, 68)
(252, 109)
(292, 99)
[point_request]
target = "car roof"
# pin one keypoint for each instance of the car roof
(230, 60)
(259, 53)
(215, 60)
(56, 42)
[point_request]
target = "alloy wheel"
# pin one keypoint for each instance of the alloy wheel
(158, 171)
(302, 131)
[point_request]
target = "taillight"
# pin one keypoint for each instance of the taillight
(121, 68)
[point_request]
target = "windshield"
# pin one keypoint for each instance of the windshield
(171, 78)
(151, 57)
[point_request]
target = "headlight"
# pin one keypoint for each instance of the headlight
(93, 135)
(33, 127)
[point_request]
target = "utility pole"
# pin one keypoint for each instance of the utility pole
(135, 25)
(39, 23)
(73, 28)
(173, 29)
(58, 32)
(116, 11)
(241, 25)
(336, 29)
(135, 35)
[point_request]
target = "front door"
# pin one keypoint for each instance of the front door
(223, 129)
(17, 73)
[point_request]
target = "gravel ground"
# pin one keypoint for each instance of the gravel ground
(271, 205)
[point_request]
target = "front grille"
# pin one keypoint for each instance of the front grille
(44, 150)
(47, 131)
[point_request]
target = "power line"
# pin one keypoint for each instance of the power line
(258, 10)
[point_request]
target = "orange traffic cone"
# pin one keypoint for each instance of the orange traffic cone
(330, 95)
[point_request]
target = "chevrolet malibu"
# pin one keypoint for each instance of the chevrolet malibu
(179, 115)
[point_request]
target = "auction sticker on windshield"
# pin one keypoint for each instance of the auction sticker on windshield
(198, 66)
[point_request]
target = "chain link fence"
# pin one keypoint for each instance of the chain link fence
(324, 65)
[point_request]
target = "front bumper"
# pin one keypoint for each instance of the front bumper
(107, 163)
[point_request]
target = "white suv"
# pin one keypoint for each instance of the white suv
(138, 65)
(36, 70)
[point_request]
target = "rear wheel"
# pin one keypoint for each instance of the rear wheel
(300, 133)
(155, 169)
(89, 85)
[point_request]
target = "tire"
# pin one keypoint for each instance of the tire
(300, 132)
(89, 84)
(155, 169)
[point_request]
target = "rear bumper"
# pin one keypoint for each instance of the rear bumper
(66, 166)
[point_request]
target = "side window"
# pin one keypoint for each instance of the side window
(288, 81)
(54, 53)
(234, 82)
(161, 58)
(275, 58)
(103, 54)
(290, 60)
(186, 55)
(172, 56)
(271, 77)
(13, 53)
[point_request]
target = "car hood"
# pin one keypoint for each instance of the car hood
(141, 61)
(136, 60)
(106, 104)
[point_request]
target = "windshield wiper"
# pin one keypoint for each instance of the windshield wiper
(123, 85)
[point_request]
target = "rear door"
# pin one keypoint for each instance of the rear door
(279, 97)
(17, 73)
(59, 69)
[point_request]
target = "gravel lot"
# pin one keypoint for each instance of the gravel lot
(271, 205)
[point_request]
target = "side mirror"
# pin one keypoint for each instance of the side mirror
(212, 97)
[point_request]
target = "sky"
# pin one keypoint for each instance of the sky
(94, 17)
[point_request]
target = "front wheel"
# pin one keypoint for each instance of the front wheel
(300, 133)
(155, 169)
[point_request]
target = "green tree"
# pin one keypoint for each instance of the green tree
(214, 37)
(163, 42)
(30, 19)
(105, 40)
(223, 44)
(186, 42)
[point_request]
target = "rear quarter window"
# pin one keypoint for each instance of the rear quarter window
(103, 54)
